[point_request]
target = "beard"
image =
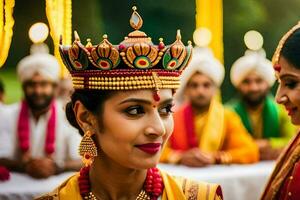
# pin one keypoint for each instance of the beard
(39, 102)
(200, 102)
(253, 101)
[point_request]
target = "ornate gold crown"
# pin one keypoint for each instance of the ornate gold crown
(136, 63)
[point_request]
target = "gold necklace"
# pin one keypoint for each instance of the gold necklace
(142, 196)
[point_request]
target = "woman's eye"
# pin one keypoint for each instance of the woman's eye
(291, 84)
(166, 110)
(135, 110)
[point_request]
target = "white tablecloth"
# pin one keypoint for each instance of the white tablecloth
(239, 182)
(23, 187)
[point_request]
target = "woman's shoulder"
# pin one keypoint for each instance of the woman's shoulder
(67, 190)
(190, 189)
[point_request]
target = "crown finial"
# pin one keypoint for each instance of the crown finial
(76, 36)
(89, 43)
(178, 36)
(136, 20)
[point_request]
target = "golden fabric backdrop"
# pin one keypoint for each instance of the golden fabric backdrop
(59, 15)
(209, 14)
(6, 28)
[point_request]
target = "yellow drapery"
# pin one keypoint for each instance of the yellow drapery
(59, 15)
(6, 28)
(209, 14)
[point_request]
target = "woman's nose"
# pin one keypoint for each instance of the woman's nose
(280, 97)
(156, 125)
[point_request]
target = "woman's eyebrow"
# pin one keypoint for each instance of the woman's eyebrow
(144, 101)
(285, 76)
(136, 100)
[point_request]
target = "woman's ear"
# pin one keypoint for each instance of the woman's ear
(84, 117)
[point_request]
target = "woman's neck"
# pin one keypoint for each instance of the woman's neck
(110, 180)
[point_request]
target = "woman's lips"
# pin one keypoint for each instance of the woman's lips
(291, 111)
(150, 148)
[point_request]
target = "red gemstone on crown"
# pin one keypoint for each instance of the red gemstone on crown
(122, 47)
(172, 64)
(87, 156)
(161, 46)
(142, 62)
(77, 64)
(103, 64)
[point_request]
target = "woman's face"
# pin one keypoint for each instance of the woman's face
(288, 92)
(135, 127)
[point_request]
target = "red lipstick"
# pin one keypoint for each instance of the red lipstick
(150, 148)
(291, 111)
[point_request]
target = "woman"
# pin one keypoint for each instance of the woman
(285, 180)
(122, 106)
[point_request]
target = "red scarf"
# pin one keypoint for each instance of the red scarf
(24, 129)
(190, 126)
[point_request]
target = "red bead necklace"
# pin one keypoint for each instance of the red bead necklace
(153, 186)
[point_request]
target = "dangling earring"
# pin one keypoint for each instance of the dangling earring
(87, 149)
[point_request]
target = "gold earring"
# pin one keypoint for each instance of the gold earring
(87, 149)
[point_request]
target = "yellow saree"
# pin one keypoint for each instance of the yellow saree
(175, 189)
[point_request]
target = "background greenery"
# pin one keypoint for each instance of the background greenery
(93, 18)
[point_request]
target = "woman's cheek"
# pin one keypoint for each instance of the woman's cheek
(169, 126)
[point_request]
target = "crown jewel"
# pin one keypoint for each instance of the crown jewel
(129, 65)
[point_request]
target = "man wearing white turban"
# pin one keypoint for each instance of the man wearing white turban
(205, 132)
(35, 136)
(253, 76)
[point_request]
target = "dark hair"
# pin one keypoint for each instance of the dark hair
(291, 49)
(93, 101)
(1, 86)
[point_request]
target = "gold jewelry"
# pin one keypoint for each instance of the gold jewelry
(142, 196)
(135, 63)
(282, 41)
(87, 149)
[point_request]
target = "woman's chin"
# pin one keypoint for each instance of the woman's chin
(147, 163)
(295, 120)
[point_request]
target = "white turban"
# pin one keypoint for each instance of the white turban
(203, 61)
(252, 62)
(42, 63)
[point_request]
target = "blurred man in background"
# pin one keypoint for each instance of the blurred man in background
(253, 76)
(205, 132)
(34, 133)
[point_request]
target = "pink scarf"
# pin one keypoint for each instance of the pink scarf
(24, 129)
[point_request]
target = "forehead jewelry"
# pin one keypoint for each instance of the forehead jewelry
(158, 84)
(277, 67)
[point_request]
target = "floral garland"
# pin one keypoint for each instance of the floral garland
(6, 28)
(59, 15)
